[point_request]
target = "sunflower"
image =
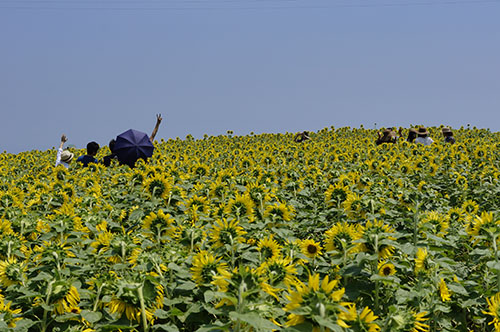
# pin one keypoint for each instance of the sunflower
(258, 193)
(353, 205)
(160, 224)
(64, 297)
(461, 181)
(277, 270)
(343, 236)
(417, 325)
(386, 269)
(8, 314)
(318, 297)
(194, 204)
(470, 207)
(363, 321)
(200, 170)
(128, 302)
(11, 272)
(158, 186)
(5, 228)
(102, 241)
(226, 232)
(123, 247)
(218, 189)
(444, 293)
(483, 225)
(382, 231)
(456, 214)
(240, 206)
(435, 223)
(310, 248)
(422, 263)
(206, 267)
(279, 211)
(268, 248)
(494, 310)
(336, 194)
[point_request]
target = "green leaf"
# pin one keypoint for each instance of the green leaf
(166, 327)
(91, 316)
(327, 323)
(494, 266)
(187, 285)
(253, 319)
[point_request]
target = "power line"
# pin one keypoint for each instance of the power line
(81, 5)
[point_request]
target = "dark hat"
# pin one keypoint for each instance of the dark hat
(422, 131)
(446, 130)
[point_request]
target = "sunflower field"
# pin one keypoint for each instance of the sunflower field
(256, 233)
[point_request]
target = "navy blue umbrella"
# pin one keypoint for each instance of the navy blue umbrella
(132, 145)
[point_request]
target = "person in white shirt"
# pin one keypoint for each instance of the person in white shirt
(64, 157)
(423, 137)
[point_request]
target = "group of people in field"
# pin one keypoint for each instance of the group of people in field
(65, 157)
(420, 135)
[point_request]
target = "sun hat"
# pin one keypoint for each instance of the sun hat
(446, 130)
(66, 156)
(422, 131)
(413, 130)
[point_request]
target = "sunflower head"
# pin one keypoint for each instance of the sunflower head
(157, 186)
(310, 248)
(494, 310)
(226, 232)
(358, 320)
(205, 267)
(11, 272)
(64, 297)
(268, 248)
(386, 269)
(342, 236)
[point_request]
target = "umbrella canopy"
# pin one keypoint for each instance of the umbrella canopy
(132, 145)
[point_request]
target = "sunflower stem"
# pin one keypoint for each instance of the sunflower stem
(415, 224)
(377, 283)
(124, 251)
(143, 309)
(45, 312)
(9, 244)
(169, 198)
(99, 290)
(495, 249)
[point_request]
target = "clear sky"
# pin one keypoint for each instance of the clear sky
(93, 69)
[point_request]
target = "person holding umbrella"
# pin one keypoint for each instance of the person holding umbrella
(132, 145)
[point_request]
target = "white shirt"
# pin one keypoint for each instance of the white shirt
(58, 159)
(424, 140)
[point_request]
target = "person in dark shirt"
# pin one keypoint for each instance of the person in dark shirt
(448, 135)
(107, 159)
(301, 137)
(412, 134)
(92, 149)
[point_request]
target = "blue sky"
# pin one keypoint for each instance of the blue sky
(93, 69)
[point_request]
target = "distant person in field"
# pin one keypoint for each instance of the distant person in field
(423, 137)
(155, 129)
(448, 135)
(106, 161)
(412, 135)
(388, 136)
(64, 157)
(302, 137)
(92, 149)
